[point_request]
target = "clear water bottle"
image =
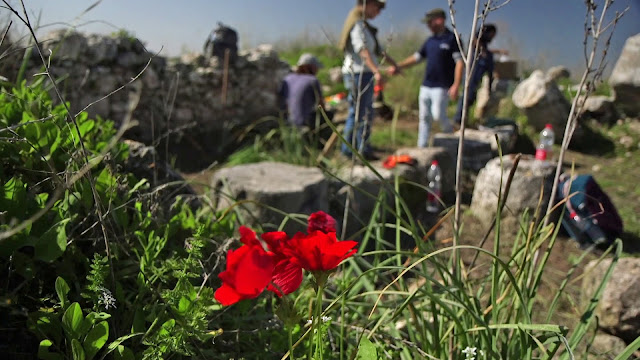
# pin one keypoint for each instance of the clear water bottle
(587, 226)
(434, 184)
(545, 147)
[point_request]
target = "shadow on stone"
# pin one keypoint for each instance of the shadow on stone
(524, 145)
(630, 242)
(591, 142)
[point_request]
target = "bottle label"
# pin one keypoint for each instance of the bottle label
(541, 154)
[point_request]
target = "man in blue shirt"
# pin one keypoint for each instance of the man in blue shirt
(442, 76)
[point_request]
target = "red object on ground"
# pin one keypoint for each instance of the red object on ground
(393, 160)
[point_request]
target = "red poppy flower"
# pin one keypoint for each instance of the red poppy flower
(321, 221)
(249, 271)
(287, 275)
(319, 251)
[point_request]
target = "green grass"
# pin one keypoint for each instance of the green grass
(384, 137)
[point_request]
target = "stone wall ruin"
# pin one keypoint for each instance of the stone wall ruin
(196, 104)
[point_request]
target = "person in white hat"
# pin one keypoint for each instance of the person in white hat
(300, 92)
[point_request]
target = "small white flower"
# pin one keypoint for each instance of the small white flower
(324, 319)
(106, 299)
(470, 353)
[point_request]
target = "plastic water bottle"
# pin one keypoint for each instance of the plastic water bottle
(434, 184)
(545, 147)
(593, 232)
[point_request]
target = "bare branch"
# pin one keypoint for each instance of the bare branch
(499, 5)
(4, 35)
(590, 76)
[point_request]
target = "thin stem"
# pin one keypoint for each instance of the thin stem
(343, 303)
(316, 322)
(290, 330)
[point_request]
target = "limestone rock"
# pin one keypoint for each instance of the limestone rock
(525, 187)
(507, 136)
(558, 72)
(619, 308)
(542, 102)
(364, 187)
(600, 108)
(102, 49)
(476, 152)
(488, 100)
(288, 188)
(424, 157)
(64, 45)
(607, 347)
(625, 77)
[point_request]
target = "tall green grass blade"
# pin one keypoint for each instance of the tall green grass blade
(629, 350)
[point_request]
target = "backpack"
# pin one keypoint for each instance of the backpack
(222, 39)
(590, 217)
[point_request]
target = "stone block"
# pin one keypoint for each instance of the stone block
(268, 188)
(530, 177)
(476, 152)
(619, 308)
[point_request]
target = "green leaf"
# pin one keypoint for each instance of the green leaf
(183, 305)
(62, 289)
(114, 345)
(96, 339)
(138, 322)
(123, 353)
(137, 186)
(629, 350)
(52, 243)
(366, 350)
(77, 350)
(91, 319)
(43, 351)
(98, 316)
(72, 320)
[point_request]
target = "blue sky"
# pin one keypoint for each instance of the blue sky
(534, 29)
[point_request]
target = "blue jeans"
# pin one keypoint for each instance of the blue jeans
(360, 99)
(432, 105)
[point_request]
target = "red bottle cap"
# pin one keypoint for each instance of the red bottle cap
(548, 126)
(434, 162)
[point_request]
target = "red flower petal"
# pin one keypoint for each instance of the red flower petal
(287, 276)
(226, 295)
(248, 236)
(333, 256)
(319, 251)
(254, 272)
(321, 221)
(249, 271)
(275, 239)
